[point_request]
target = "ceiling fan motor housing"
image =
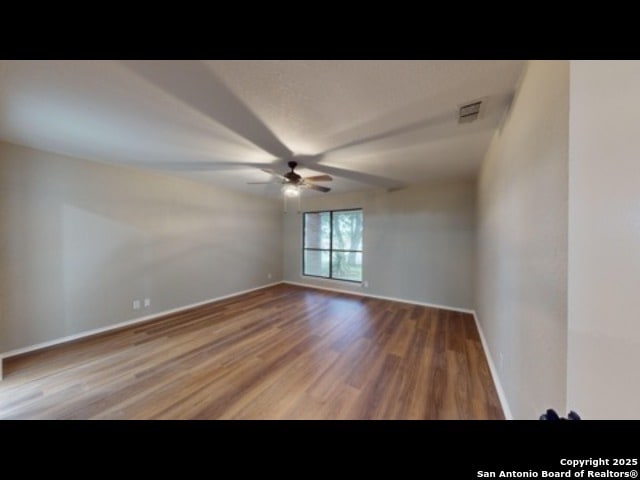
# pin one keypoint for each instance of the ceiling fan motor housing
(292, 176)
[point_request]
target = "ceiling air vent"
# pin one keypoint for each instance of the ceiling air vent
(469, 112)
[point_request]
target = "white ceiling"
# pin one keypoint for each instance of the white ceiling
(376, 123)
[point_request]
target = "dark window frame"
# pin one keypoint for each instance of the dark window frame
(330, 249)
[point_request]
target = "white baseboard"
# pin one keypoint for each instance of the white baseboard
(127, 323)
(492, 368)
(494, 372)
(381, 297)
(88, 333)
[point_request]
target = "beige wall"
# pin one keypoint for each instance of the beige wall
(522, 243)
(419, 242)
(80, 240)
(604, 240)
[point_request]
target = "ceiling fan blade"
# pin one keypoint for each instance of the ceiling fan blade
(433, 121)
(319, 188)
(312, 162)
(320, 178)
(358, 176)
(197, 166)
(196, 85)
(259, 183)
(274, 173)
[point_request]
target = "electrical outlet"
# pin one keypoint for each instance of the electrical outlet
(365, 284)
(136, 304)
(147, 302)
(269, 276)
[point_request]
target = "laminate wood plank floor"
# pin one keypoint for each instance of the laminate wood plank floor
(283, 352)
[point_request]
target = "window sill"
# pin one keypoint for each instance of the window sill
(332, 280)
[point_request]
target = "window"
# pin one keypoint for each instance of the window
(332, 244)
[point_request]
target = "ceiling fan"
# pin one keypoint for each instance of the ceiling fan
(197, 85)
(292, 182)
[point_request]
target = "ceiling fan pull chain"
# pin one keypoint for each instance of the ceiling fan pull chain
(299, 201)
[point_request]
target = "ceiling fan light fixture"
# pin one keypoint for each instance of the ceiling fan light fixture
(291, 191)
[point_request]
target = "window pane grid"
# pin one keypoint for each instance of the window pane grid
(329, 250)
(340, 231)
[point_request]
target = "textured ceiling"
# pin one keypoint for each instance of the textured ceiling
(367, 123)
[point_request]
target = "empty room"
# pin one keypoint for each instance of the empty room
(289, 239)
